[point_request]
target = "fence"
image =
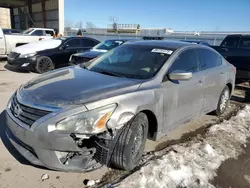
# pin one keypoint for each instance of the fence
(212, 39)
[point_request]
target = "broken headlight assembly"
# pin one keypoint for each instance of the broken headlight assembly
(88, 122)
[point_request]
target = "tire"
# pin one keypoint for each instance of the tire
(127, 151)
(44, 64)
(223, 102)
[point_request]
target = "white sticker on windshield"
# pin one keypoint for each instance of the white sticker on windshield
(162, 51)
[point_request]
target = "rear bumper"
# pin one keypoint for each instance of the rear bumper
(22, 63)
(243, 74)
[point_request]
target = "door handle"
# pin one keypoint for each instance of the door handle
(225, 49)
(222, 73)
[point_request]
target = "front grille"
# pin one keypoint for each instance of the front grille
(26, 114)
(13, 55)
(102, 153)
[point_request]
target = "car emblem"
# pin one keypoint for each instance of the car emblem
(17, 111)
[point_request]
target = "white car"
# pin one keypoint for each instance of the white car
(10, 41)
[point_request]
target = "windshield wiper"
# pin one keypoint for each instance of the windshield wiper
(110, 73)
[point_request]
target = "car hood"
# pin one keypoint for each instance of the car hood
(91, 53)
(72, 86)
(37, 46)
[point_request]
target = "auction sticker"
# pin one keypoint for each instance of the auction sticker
(162, 51)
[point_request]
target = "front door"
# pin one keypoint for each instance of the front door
(183, 99)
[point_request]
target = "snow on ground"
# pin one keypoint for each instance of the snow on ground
(194, 163)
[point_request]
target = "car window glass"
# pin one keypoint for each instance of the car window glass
(88, 43)
(131, 61)
(245, 42)
(230, 42)
(186, 61)
(208, 59)
(49, 32)
(38, 33)
(73, 43)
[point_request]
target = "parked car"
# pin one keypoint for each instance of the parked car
(10, 41)
(97, 50)
(197, 42)
(46, 55)
(236, 49)
(78, 118)
(11, 31)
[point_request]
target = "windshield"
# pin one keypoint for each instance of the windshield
(131, 61)
(27, 31)
(108, 45)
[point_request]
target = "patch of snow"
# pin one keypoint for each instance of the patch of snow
(194, 164)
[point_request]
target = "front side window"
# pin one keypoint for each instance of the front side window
(208, 59)
(131, 61)
(38, 33)
(244, 42)
(186, 61)
(230, 42)
(73, 43)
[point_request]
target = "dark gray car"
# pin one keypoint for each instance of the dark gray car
(79, 118)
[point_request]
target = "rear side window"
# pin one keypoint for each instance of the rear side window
(88, 43)
(244, 42)
(38, 33)
(49, 32)
(208, 59)
(73, 43)
(230, 42)
(186, 61)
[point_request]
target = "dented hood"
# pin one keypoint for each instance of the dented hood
(74, 85)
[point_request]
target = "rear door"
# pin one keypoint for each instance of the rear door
(229, 49)
(2, 42)
(244, 54)
(215, 77)
(87, 44)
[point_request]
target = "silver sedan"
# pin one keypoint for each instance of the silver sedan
(81, 117)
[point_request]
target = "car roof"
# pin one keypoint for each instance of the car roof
(162, 43)
(124, 40)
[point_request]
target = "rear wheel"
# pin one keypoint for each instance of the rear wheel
(44, 64)
(131, 143)
(223, 101)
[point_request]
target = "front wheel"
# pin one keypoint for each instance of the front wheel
(44, 64)
(131, 143)
(223, 101)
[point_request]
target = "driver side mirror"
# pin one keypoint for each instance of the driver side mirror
(180, 75)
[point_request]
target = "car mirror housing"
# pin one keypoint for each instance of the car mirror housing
(180, 75)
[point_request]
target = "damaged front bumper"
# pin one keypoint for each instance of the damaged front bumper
(64, 152)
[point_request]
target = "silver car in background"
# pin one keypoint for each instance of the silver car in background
(79, 118)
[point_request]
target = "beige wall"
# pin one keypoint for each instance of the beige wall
(5, 18)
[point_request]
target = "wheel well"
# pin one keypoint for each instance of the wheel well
(152, 124)
(230, 87)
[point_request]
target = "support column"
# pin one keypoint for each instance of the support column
(61, 16)
(44, 13)
(12, 19)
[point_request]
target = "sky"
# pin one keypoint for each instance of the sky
(180, 15)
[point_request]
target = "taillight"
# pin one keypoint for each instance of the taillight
(40, 38)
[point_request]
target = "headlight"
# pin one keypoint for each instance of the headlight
(27, 55)
(89, 122)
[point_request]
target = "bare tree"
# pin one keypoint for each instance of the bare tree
(90, 25)
(68, 23)
(78, 25)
